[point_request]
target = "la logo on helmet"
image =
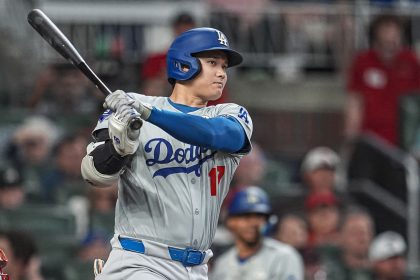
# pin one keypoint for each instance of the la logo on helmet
(252, 198)
(222, 38)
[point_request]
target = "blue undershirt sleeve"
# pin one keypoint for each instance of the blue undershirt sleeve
(222, 133)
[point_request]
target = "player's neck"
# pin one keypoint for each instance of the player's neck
(183, 95)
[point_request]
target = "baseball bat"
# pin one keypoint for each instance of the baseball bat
(53, 35)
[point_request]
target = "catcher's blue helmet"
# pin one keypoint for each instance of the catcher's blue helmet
(185, 46)
(250, 200)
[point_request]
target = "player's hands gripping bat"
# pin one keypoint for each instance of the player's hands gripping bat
(50, 32)
(122, 105)
(119, 98)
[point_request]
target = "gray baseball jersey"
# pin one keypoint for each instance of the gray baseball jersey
(172, 192)
(274, 261)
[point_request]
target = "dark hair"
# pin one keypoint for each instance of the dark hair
(183, 18)
(23, 245)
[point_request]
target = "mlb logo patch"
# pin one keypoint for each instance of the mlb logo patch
(105, 115)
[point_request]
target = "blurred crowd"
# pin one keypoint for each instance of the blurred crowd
(53, 225)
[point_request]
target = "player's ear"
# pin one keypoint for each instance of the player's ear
(185, 68)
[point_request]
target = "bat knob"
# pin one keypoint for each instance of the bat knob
(136, 123)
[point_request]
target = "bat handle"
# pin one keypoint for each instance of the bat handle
(136, 122)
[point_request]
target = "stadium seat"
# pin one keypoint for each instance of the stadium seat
(77, 270)
(45, 220)
(103, 222)
(56, 253)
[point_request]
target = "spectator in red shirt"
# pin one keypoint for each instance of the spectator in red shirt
(153, 72)
(378, 78)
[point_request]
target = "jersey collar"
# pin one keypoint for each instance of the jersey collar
(181, 107)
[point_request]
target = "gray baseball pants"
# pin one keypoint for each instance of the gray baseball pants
(127, 265)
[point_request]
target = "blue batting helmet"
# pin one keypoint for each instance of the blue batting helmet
(185, 46)
(250, 200)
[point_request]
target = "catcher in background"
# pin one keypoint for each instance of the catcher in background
(174, 172)
(255, 256)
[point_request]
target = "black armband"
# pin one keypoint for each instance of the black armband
(105, 158)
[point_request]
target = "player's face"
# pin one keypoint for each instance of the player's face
(247, 228)
(209, 83)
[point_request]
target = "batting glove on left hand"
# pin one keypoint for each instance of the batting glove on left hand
(120, 101)
(124, 139)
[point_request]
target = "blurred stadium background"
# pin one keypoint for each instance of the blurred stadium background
(293, 82)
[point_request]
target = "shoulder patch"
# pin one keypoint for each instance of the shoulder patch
(243, 114)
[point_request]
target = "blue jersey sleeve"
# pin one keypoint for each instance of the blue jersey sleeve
(219, 133)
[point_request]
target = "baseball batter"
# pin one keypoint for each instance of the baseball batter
(254, 256)
(173, 173)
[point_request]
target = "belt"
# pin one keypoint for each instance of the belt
(187, 256)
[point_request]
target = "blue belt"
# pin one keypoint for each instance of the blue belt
(188, 256)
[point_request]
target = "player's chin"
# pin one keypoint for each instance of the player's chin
(252, 241)
(215, 95)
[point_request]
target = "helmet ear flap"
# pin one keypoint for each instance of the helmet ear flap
(197, 69)
(183, 69)
(186, 67)
(192, 72)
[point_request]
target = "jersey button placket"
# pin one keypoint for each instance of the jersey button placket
(196, 196)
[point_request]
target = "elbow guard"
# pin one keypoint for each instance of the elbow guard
(91, 174)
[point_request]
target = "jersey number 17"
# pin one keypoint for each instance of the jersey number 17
(215, 174)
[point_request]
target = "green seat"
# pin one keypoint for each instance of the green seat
(103, 222)
(58, 248)
(53, 229)
(45, 220)
(409, 128)
(4, 221)
(74, 122)
(77, 270)
(55, 253)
